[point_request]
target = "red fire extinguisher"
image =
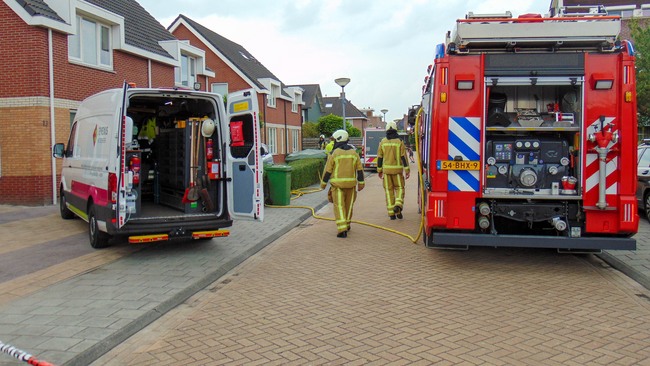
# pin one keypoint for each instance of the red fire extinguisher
(134, 164)
(209, 150)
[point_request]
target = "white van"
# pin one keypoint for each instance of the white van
(157, 164)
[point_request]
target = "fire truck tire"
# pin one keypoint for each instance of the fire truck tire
(66, 214)
(646, 205)
(98, 239)
(425, 237)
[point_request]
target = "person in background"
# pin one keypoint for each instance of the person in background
(330, 145)
(410, 151)
(321, 142)
(344, 173)
(391, 165)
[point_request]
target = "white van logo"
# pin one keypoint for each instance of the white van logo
(99, 134)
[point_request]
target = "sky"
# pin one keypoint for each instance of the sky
(383, 46)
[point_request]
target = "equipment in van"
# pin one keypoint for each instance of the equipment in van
(105, 177)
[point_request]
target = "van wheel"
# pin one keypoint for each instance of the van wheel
(98, 239)
(66, 214)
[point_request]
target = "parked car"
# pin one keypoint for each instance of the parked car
(643, 178)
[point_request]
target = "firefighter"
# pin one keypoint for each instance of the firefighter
(330, 145)
(321, 142)
(391, 167)
(344, 172)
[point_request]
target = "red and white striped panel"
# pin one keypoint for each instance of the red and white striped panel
(592, 165)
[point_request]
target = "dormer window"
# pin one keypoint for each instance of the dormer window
(274, 94)
(297, 101)
(91, 44)
(186, 74)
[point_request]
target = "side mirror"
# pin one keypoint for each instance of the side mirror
(263, 150)
(58, 150)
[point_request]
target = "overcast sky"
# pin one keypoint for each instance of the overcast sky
(383, 46)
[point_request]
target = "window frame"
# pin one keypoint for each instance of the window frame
(187, 62)
(295, 140)
(272, 140)
(102, 44)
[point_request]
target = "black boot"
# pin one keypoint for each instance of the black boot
(398, 212)
(342, 234)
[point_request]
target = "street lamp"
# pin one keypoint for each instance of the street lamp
(384, 111)
(342, 82)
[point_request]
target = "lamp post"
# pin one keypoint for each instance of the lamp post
(342, 82)
(384, 111)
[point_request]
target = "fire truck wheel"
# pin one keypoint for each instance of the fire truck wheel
(425, 237)
(66, 214)
(646, 206)
(98, 239)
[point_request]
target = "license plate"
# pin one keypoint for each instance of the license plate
(458, 165)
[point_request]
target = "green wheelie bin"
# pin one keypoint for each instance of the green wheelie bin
(279, 184)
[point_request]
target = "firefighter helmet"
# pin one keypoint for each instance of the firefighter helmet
(391, 126)
(340, 135)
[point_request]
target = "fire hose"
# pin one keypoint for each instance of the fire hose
(22, 355)
(299, 192)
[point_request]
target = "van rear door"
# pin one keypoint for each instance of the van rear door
(244, 164)
(124, 137)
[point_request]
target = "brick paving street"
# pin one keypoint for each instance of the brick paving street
(376, 298)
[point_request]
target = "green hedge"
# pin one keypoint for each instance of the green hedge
(304, 173)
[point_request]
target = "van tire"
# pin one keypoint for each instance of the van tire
(98, 239)
(66, 214)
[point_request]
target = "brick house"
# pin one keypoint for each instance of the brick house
(353, 115)
(312, 109)
(237, 69)
(55, 54)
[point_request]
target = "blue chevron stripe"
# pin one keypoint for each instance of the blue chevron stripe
(464, 139)
(467, 151)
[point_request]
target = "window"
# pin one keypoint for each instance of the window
(295, 104)
(91, 44)
(73, 114)
(272, 140)
(186, 74)
(273, 96)
(219, 88)
(295, 139)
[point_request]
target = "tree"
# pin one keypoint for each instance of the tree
(310, 129)
(353, 131)
(640, 34)
(330, 123)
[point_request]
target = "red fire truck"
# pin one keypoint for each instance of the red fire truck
(528, 134)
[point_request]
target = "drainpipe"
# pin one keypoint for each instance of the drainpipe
(149, 72)
(52, 122)
(286, 131)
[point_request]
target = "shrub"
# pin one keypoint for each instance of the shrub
(306, 172)
(310, 129)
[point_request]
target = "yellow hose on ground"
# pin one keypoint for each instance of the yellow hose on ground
(299, 192)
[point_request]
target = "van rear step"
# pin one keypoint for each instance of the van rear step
(161, 237)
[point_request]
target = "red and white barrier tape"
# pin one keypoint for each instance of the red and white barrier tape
(22, 355)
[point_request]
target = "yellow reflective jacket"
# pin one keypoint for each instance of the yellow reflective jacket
(343, 169)
(391, 156)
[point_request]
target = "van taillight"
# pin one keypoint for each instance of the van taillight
(112, 187)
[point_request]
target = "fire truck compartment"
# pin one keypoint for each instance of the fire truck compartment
(532, 137)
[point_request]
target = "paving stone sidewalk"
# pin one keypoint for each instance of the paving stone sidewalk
(77, 320)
